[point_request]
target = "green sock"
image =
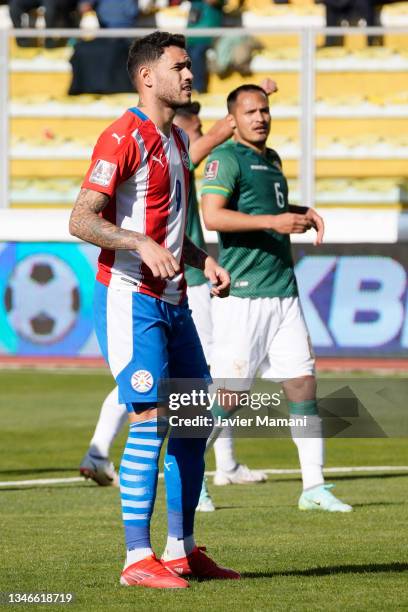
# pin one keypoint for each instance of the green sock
(305, 408)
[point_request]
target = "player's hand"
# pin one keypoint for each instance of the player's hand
(269, 86)
(218, 277)
(290, 223)
(318, 224)
(160, 261)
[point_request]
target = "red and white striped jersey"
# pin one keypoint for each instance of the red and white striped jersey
(146, 176)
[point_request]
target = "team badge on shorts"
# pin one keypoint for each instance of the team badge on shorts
(102, 173)
(142, 381)
(211, 170)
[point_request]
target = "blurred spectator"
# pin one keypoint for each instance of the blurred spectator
(112, 13)
(57, 14)
(203, 14)
(234, 54)
(88, 56)
(352, 12)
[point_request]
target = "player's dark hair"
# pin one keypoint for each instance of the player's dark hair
(150, 48)
(234, 94)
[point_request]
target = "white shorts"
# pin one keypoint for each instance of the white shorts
(265, 335)
(199, 301)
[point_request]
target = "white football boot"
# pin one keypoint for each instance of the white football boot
(241, 474)
(99, 469)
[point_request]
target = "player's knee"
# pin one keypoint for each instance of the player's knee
(301, 388)
(140, 412)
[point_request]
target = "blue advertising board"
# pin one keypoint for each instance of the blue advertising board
(46, 298)
(354, 299)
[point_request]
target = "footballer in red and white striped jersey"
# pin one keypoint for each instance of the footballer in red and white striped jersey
(146, 176)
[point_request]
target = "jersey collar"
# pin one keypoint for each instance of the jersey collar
(136, 111)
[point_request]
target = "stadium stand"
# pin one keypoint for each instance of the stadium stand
(361, 112)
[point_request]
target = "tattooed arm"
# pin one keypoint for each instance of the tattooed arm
(197, 258)
(85, 223)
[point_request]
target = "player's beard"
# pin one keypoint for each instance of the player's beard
(173, 102)
(174, 99)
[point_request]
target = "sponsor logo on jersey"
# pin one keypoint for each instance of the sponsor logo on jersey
(158, 159)
(258, 167)
(142, 381)
(211, 170)
(117, 137)
(102, 173)
(242, 283)
(185, 159)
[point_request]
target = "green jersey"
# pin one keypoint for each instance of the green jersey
(260, 263)
(194, 231)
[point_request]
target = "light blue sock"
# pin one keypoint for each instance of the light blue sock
(183, 473)
(138, 483)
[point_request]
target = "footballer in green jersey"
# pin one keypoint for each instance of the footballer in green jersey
(260, 262)
(194, 277)
(260, 326)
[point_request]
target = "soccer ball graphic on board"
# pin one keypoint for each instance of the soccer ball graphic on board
(42, 298)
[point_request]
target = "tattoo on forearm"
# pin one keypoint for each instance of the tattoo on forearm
(85, 223)
(193, 255)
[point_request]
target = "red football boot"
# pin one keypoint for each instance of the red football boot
(198, 564)
(149, 572)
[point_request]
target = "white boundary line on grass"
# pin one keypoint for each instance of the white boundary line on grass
(332, 470)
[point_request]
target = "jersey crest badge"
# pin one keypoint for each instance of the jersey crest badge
(211, 170)
(142, 381)
(102, 173)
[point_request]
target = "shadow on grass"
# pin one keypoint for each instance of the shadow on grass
(28, 471)
(379, 503)
(372, 568)
(293, 506)
(340, 477)
(252, 506)
(48, 487)
(369, 475)
(217, 507)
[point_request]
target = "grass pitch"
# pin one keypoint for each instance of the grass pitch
(68, 537)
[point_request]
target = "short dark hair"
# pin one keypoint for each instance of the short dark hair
(234, 94)
(150, 48)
